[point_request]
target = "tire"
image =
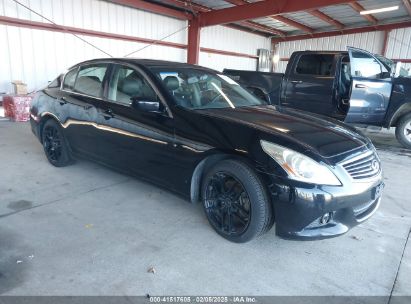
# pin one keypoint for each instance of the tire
(235, 202)
(403, 131)
(55, 144)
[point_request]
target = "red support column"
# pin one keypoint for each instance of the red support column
(193, 48)
(385, 43)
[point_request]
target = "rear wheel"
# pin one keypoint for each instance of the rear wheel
(403, 131)
(55, 145)
(235, 202)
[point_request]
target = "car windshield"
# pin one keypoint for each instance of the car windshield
(389, 63)
(200, 89)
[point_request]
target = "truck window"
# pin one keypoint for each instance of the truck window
(315, 64)
(365, 65)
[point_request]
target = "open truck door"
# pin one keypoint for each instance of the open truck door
(371, 86)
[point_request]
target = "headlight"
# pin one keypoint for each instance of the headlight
(300, 167)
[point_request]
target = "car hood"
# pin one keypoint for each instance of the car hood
(316, 133)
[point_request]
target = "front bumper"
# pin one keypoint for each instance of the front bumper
(299, 209)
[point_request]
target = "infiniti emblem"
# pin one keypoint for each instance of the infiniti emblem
(375, 166)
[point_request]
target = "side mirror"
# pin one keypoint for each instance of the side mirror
(144, 105)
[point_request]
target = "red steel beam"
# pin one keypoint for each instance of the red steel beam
(385, 42)
(79, 31)
(261, 9)
(67, 29)
(154, 8)
(198, 8)
(407, 5)
(279, 18)
(227, 53)
(193, 48)
(324, 17)
(370, 28)
(293, 23)
(408, 60)
(359, 8)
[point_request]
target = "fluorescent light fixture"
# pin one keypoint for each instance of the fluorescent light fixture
(380, 10)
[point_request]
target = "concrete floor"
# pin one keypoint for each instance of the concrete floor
(86, 230)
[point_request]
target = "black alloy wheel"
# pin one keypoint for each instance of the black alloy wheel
(227, 204)
(55, 145)
(235, 202)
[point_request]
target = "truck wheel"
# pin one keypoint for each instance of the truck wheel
(403, 131)
(235, 202)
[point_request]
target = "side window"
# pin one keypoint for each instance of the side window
(90, 79)
(315, 64)
(56, 82)
(126, 84)
(365, 65)
(70, 79)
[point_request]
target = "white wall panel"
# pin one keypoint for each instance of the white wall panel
(220, 62)
(399, 45)
(228, 39)
(36, 56)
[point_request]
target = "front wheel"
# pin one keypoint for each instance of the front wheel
(235, 202)
(403, 131)
(55, 145)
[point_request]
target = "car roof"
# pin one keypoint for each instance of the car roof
(150, 63)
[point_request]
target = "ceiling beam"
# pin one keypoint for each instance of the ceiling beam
(261, 9)
(407, 5)
(293, 23)
(282, 19)
(198, 8)
(154, 8)
(346, 31)
(359, 8)
(324, 17)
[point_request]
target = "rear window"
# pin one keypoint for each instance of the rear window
(70, 79)
(315, 64)
(90, 79)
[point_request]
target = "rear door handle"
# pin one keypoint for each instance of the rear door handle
(62, 101)
(296, 81)
(360, 86)
(108, 114)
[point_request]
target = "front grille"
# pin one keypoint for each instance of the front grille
(364, 166)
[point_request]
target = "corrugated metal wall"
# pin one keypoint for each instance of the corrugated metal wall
(371, 41)
(399, 45)
(36, 56)
(228, 39)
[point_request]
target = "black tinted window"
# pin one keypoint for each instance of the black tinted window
(315, 64)
(70, 79)
(127, 83)
(90, 79)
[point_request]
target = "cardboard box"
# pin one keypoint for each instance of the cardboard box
(17, 107)
(19, 87)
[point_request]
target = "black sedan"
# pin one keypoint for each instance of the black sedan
(200, 134)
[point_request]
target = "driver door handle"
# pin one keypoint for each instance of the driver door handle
(360, 86)
(296, 81)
